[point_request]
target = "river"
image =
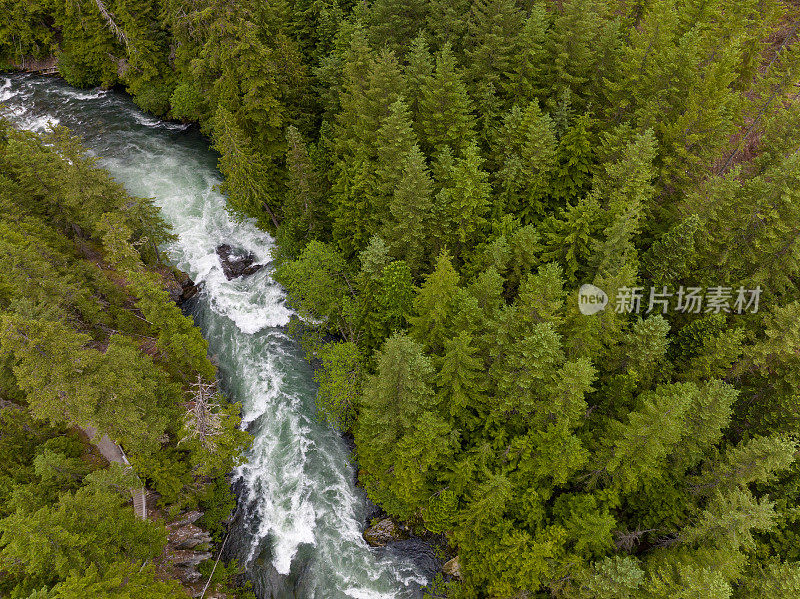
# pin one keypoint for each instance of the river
(298, 533)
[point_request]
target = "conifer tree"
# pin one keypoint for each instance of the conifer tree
(628, 189)
(396, 140)
(411, 225)
(706, 419)
(340, 383)
(635, 450)
(582, 50)
(526, 77)
(729, 520)
(365, 106)
(671, 256)
(67, 383)
(530, 149)
(121, 580)
(392, 24)
(460, 381)
(490, 48)
(575, 153)
(756, 460)
(692, 115)
(611, 578)
(463, 205)
(246, 171)
(779, 580)
(302, 206)
(395, 400)
(45, 545)
(447, 23)
(445, 107)
(434, 305)
(419, 67)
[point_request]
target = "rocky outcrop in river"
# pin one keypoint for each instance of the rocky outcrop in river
(384, 531)
(236, 263)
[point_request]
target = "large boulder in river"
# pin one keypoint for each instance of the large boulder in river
(384, 531)
(237, 263)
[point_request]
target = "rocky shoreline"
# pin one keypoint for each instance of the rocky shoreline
(188, 544)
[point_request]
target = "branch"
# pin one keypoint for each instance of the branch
(119, 33)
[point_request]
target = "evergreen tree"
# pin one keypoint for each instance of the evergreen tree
(121, 580)
(397, 428)
(86, 529)
(627, 186)
(612, 578)
(396, 140)
(635, 450)
(529, 145)
(340, 383)
(419, 67)
(490, 48)
(245, 170)
(460, 381)
(757, 460)
(320, 281)
(411, 208)
(575, 160)
(462, 206)
(303, 203)
(583, 51)
(435, 306)
(445, 118)
(392, 24)
(446, 21)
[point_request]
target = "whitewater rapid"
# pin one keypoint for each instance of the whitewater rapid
(298, 532)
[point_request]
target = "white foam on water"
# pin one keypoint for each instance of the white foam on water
(358, 593)
(41, 124)
(202, 223)
(149, 121)
(81, 95)
(6, 93)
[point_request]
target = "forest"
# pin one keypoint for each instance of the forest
(444, 179)
(89, 337)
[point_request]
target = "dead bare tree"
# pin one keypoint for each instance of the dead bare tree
(203, 422)
(628, 539)
(109, 18)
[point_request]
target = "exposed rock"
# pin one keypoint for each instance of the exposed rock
(47, 65)
(235, 263)
(452, 568)
(122, 67)
(184, 558)
(180, 286)
(384, 531)
(187, 575)
(189, 537)
(187, 518)
(174, 288)
(187, 546)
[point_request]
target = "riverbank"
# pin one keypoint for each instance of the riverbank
(299, 508)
